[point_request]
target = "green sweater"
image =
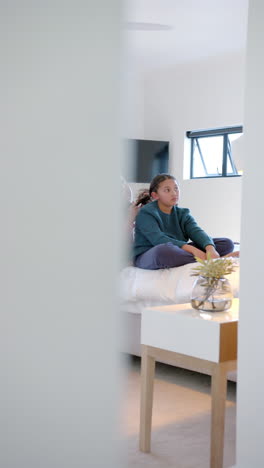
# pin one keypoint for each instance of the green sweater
(153, 227)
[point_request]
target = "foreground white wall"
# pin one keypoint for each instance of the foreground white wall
(250, 403)
(200, 95)
(59, 164)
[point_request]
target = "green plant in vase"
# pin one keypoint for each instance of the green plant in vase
(212, 291)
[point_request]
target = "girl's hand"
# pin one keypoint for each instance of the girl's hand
(213, 253)
(194, 251)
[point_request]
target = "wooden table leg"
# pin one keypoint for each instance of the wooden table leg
(146, 399)
(219, 387)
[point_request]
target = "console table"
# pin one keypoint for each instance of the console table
(205, 342)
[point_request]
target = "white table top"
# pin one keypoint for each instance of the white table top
(185, 330)
(229, 315)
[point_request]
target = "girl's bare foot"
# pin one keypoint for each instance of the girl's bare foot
(235, 254)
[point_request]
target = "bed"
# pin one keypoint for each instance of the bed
(143, 288)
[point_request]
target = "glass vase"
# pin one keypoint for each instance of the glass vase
(211, 294)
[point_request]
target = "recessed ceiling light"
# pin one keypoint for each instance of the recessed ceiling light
(136, 26)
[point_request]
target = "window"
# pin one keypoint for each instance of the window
(211, 152)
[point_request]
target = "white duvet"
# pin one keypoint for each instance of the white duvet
(142, 288)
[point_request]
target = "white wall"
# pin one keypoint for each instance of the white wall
(133, 98)
(133, 109)
(250, 401)
(60, 151)
(200, 95)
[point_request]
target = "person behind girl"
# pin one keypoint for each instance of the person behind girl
(163, 231)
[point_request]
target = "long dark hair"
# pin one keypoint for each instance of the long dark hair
(144, 196)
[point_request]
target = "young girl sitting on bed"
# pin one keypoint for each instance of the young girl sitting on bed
(163, 231)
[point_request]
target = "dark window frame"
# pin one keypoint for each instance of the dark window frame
(195, 135)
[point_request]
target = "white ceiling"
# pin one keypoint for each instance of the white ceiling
(197, 29)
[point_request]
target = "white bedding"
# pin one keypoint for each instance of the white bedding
(143, 288)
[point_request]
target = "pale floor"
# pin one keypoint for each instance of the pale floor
(181, 419)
